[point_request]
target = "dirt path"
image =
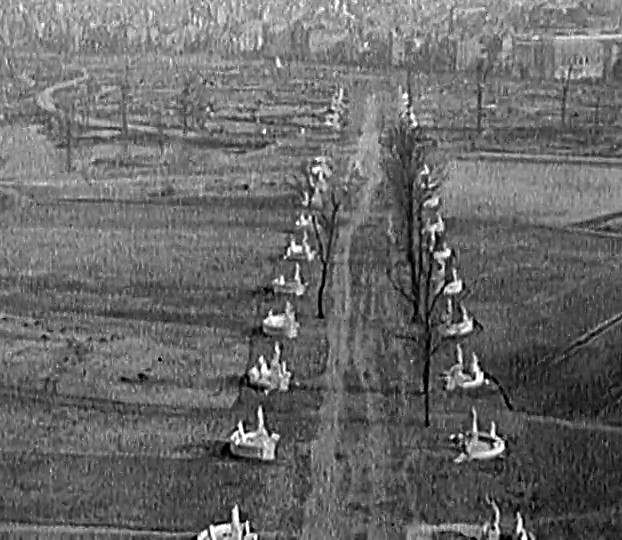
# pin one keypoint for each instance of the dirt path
(366, 451)
(105, 128)
(323, 512)
(45, 101)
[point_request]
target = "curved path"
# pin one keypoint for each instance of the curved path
(105, 128)
(45, 101)
(557, 159)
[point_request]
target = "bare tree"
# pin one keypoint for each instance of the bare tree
(404, 162)
(421, 267)
(125, 96)
(564, 95)
(91, 98)
(326, 197)
(595, 132)
(159, 123)
(69, 124)
(184, 101)
(326, 230)
(483, 68)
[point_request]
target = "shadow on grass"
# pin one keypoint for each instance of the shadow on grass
(254, 202)
(211, 320)
(212, 384)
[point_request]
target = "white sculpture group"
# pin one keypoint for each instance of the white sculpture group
(318, 173)
(457, 377)
(281, 324)
(456, 322)
(476, 445)
(258, 444)
(336, 113)
(261, 444)
(235, 530)
(491, 530)
(407, 111)
(270, 377)
(444, 278)
(299, 252)
(293, 286)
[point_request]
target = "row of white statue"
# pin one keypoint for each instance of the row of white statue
(285, 325)
(490, 530)
(261, 444)
(274, 376)
(456, 322)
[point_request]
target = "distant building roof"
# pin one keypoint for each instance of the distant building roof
(556, 16)
(470, 21)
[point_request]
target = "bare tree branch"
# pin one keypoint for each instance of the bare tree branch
(399, 288)
(502, 391)
(318, 238)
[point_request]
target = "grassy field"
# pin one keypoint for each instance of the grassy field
(163, 289)
(155, 271)
(519, 116)
(534, 289)
(128, 322)
(532, 193)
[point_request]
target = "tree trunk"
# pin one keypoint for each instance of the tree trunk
(124, 128)
(418, 292)
(426, 375)
(68, 156)
(597, 118)
(565, 89)
(68, 134)
(480, 100)
(413, 260)
(320, 291)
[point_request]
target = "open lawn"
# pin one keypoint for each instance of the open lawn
(519, 116)
(131, 301)
(131, 307)
(166, 290)
(532, 193)
(178, 282)
(535, 289)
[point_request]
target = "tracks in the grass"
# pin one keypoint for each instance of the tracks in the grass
(587, 337)
(36, 531)
(425, 531)
(109, 129)
(323, 513)
(12, 394)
